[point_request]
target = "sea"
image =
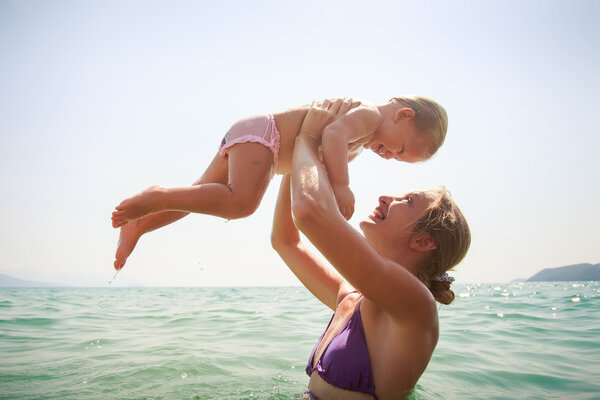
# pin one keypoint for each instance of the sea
(497, 341)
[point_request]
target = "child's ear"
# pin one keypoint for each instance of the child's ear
(404, 113)
(423, 242)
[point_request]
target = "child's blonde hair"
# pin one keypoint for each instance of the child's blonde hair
(430, 117)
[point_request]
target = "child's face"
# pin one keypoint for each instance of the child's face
(399, 139)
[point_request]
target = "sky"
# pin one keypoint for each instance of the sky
(101, 99)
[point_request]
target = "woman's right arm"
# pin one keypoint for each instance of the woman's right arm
(383, 281)
(320, 279)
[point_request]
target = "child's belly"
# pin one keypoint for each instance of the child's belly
(288, 124)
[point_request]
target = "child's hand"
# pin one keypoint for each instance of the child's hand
(345, 200)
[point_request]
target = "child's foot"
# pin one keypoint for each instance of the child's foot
(135, 207)
(128, 238)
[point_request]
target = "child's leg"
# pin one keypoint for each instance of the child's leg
(132, 231)
(249, 167)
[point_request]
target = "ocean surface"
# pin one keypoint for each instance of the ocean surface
(506, 341)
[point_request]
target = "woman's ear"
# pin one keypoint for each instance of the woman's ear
(423, 242)
(404, 113)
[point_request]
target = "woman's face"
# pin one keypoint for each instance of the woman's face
(393, 219)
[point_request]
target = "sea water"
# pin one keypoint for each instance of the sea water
(506, 341)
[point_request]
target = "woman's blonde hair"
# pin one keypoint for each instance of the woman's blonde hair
(447, 226)
(430, 117)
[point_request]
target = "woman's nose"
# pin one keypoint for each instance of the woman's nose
(386, 199)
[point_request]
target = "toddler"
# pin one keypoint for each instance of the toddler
(409, 129)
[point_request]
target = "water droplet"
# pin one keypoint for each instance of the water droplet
(114, 276)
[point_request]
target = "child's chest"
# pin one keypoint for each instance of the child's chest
(354, 149)
(358, 144)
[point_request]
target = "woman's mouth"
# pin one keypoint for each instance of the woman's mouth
(377, 215)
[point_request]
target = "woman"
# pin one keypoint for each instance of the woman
(385, 283)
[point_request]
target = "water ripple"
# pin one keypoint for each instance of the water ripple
(529, 340)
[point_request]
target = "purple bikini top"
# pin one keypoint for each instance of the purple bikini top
(345, 361)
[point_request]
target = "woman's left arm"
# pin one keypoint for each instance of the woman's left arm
(320, 279)
(381, 280)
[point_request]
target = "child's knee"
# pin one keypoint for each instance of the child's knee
(243, 206)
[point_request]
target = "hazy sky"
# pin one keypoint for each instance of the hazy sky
(100, 99)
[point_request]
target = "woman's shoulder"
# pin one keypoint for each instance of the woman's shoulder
(416, 306)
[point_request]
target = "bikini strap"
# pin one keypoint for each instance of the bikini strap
(342, 299)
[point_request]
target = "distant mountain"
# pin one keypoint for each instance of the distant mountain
(9, 281)
(577, 272)
(70, 280)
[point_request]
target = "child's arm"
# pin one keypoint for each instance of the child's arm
(324, 282)
(352, 126)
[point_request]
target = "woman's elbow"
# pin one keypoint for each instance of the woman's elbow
(307, 213)
(285, 245)
(277, 241)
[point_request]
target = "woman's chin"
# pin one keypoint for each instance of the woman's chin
(366, 223)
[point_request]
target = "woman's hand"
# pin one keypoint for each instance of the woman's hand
(322, 114)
